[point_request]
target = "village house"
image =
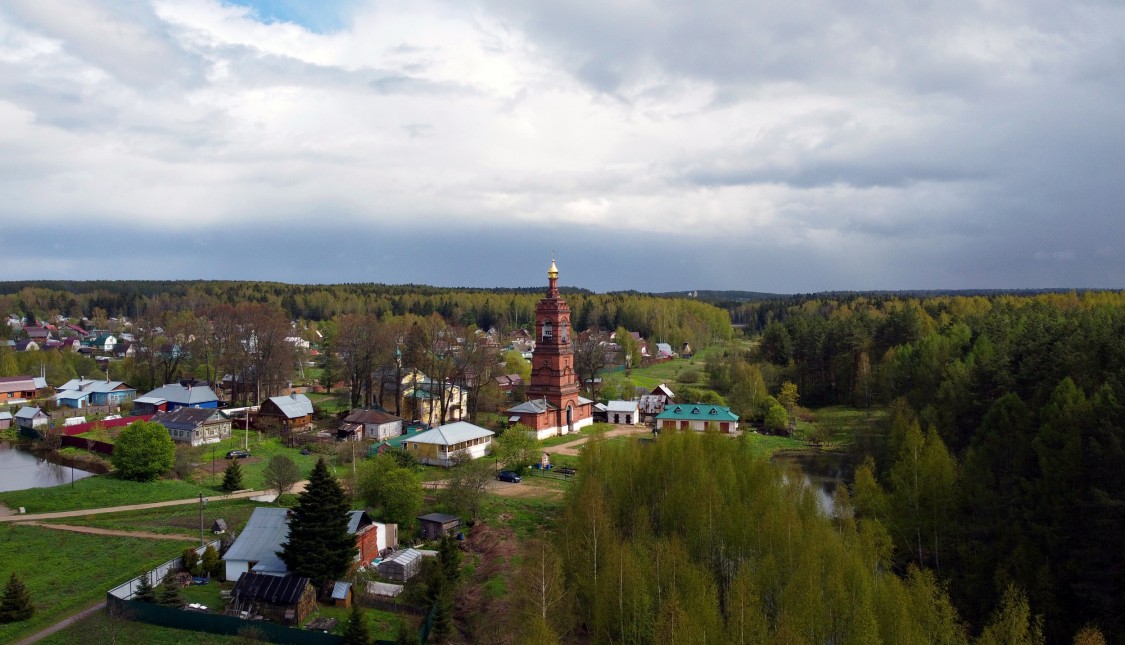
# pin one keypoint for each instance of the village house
(375, 425)
(291, 412)
(31, 418)
(447, 444)
(17, 389)
(653, 403)
(698, 417)
(422, 399)
(195, 426)
(79, 392)
(623, 413)
(171, 397)
(255, 550)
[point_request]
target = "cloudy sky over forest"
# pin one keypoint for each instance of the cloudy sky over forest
(713, 144)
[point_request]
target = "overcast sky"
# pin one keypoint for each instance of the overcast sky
(706, 144)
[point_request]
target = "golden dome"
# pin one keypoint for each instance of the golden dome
(553, 272)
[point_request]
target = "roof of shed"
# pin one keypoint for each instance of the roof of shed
(276, 590)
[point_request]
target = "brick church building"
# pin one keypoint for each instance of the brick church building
(553, 406)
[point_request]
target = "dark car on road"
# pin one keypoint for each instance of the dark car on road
(509, 476)
(238, 454)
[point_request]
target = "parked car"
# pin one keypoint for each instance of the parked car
(509, 476)
(566, 470)
(238, 454)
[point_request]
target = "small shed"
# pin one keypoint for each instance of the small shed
(342, 594)
(220, 526)
(434, 525)
(281, 599)
(5, 420)
(402, 565)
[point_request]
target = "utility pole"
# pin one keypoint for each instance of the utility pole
(202, 501)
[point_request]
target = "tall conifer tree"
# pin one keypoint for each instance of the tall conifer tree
(319, 545)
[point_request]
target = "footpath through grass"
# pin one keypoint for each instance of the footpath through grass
(66, 572)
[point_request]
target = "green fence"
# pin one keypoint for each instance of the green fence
(154, 614)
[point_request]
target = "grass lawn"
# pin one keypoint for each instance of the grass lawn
(99, 491)
(260, 452)
(764, 445)
(383, 624)
(65, 572)
(527, 517)
(178, 520)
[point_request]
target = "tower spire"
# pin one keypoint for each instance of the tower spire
(553, 279)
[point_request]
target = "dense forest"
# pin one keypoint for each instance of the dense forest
(1003, 460)
(693, 539)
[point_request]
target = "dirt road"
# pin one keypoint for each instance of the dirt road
(571, 447)
(62, 624)
(27, 517)
(96, 531)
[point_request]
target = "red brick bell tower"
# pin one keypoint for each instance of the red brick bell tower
(554, 406)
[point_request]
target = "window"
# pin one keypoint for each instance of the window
(548, 330)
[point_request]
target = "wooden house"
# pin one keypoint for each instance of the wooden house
(287, 600)
(195, 426)
(291, 412)
(376, 425)
(445, 445)
(434, 525)
(17, 388)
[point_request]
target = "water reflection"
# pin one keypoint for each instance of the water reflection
(822, 472)
(20, 469)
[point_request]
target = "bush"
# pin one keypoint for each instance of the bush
(689, 376)
(143, 451)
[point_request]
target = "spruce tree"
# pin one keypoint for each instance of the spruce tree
(356, 632)
(16, 603)
(319, 545)
(232, 477)
(170, 592)
(407, 635)
(145, 591)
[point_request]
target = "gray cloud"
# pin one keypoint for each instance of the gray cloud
(714, 144)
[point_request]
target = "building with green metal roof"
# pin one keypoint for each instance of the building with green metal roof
(698, 417)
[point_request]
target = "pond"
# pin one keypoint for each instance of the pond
(821, 470)
(20, 468)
